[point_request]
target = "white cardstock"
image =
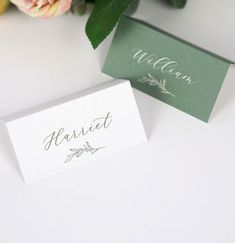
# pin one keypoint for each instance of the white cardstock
(74, 130)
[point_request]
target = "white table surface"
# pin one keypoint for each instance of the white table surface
(178, 188)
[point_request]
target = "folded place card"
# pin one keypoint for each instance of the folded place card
(71, 131)
(166, 68)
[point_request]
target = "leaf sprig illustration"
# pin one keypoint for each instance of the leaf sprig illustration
(152, 81)
(77, 152)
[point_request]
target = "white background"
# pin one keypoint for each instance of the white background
(178, 188)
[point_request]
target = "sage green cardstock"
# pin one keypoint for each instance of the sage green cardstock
(166, 68)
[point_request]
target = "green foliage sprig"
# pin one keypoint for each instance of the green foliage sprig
(106, 14)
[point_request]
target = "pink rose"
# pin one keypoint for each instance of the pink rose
(43, 8)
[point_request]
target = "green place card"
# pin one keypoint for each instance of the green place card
(166, 68)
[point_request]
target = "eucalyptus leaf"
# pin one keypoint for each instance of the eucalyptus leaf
(103, 19)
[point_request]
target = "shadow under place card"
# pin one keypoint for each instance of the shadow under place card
(74, 130)
(166, 68)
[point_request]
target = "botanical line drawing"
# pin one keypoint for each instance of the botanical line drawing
(78, 152)
(152, 81)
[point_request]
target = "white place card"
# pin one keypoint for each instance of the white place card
(74, 130)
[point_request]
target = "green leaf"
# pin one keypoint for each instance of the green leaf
(103, 19)
(178, 3)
